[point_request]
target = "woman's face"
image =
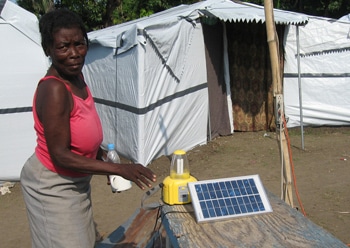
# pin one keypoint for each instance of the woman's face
(68, 51)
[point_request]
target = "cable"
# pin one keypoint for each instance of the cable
(292, 166)
(157, 229)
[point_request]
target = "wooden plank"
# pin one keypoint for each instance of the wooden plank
(139, 231)
(284, 227)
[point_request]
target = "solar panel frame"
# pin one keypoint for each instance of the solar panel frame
(223, 198)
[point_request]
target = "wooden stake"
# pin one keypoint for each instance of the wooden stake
(272, 39)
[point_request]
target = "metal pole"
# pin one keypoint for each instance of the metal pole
(300, 91)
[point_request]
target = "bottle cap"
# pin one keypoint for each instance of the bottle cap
(179, 152)
(110, 146)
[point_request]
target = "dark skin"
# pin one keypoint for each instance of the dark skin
(54, 104)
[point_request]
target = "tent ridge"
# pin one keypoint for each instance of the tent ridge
(159, 54)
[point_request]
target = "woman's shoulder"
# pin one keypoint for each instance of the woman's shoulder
(53, 82)
(53, 89)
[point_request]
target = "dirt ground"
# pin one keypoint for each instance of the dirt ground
(322, 170)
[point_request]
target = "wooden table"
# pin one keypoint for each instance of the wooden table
(284, 227)
(177, 227)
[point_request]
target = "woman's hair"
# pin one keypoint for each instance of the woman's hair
(55, 20)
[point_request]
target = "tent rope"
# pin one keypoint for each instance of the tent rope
(292, 166)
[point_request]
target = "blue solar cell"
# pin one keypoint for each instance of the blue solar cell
(209, 204)
(219, 194)
(237, 209)
(230, 210)
(217, 212)
(225, 193)
(222, 185)
(255, 190)
(228, 197)
(211, 212)
(250, 208)
(216, 186)
(206, 213)
(249, 190)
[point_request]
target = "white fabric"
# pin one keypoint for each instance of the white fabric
(22, 64)
(227, 10)
(149, 82)
(324, 46)
(345, 18)
(22, 20)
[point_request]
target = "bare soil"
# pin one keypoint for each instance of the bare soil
(321, 171)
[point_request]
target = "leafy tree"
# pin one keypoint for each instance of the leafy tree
(38, 7)
(98, 14)
(93, 12)
(134, 9)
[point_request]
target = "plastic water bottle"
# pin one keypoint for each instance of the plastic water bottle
(118, 183)
(112, 155)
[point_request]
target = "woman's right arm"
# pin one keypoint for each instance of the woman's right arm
(54, 104)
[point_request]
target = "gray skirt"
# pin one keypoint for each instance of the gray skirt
(58, 207)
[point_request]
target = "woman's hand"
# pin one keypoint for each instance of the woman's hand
(138, 174)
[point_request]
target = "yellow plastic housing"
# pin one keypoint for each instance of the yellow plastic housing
(175, 191)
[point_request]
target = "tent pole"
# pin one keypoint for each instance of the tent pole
(209, 123)
(227, 78)
(300, 91)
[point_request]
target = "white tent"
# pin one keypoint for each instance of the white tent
(22, 63)
(322, 77)
(149, 77)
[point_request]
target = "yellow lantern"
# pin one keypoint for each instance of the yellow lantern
(175, 189)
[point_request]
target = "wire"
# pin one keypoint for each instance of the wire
(292, 166)
(157, 229)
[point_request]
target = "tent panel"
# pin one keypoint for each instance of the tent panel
(323, 35)
(113, 80)
(141, 97)
(24, 21)
(246, 12)
(180, 121)
(179, 124)
(22, 64)
(100, 72)
(323, 104)
(214, 49)
(17, 143)
(324, 73)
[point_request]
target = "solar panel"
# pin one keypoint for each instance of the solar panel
(228, 197)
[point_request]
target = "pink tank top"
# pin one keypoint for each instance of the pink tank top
(86, 132)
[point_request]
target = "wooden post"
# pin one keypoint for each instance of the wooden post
(272, 39)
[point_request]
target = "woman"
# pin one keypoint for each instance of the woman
(56, 178)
